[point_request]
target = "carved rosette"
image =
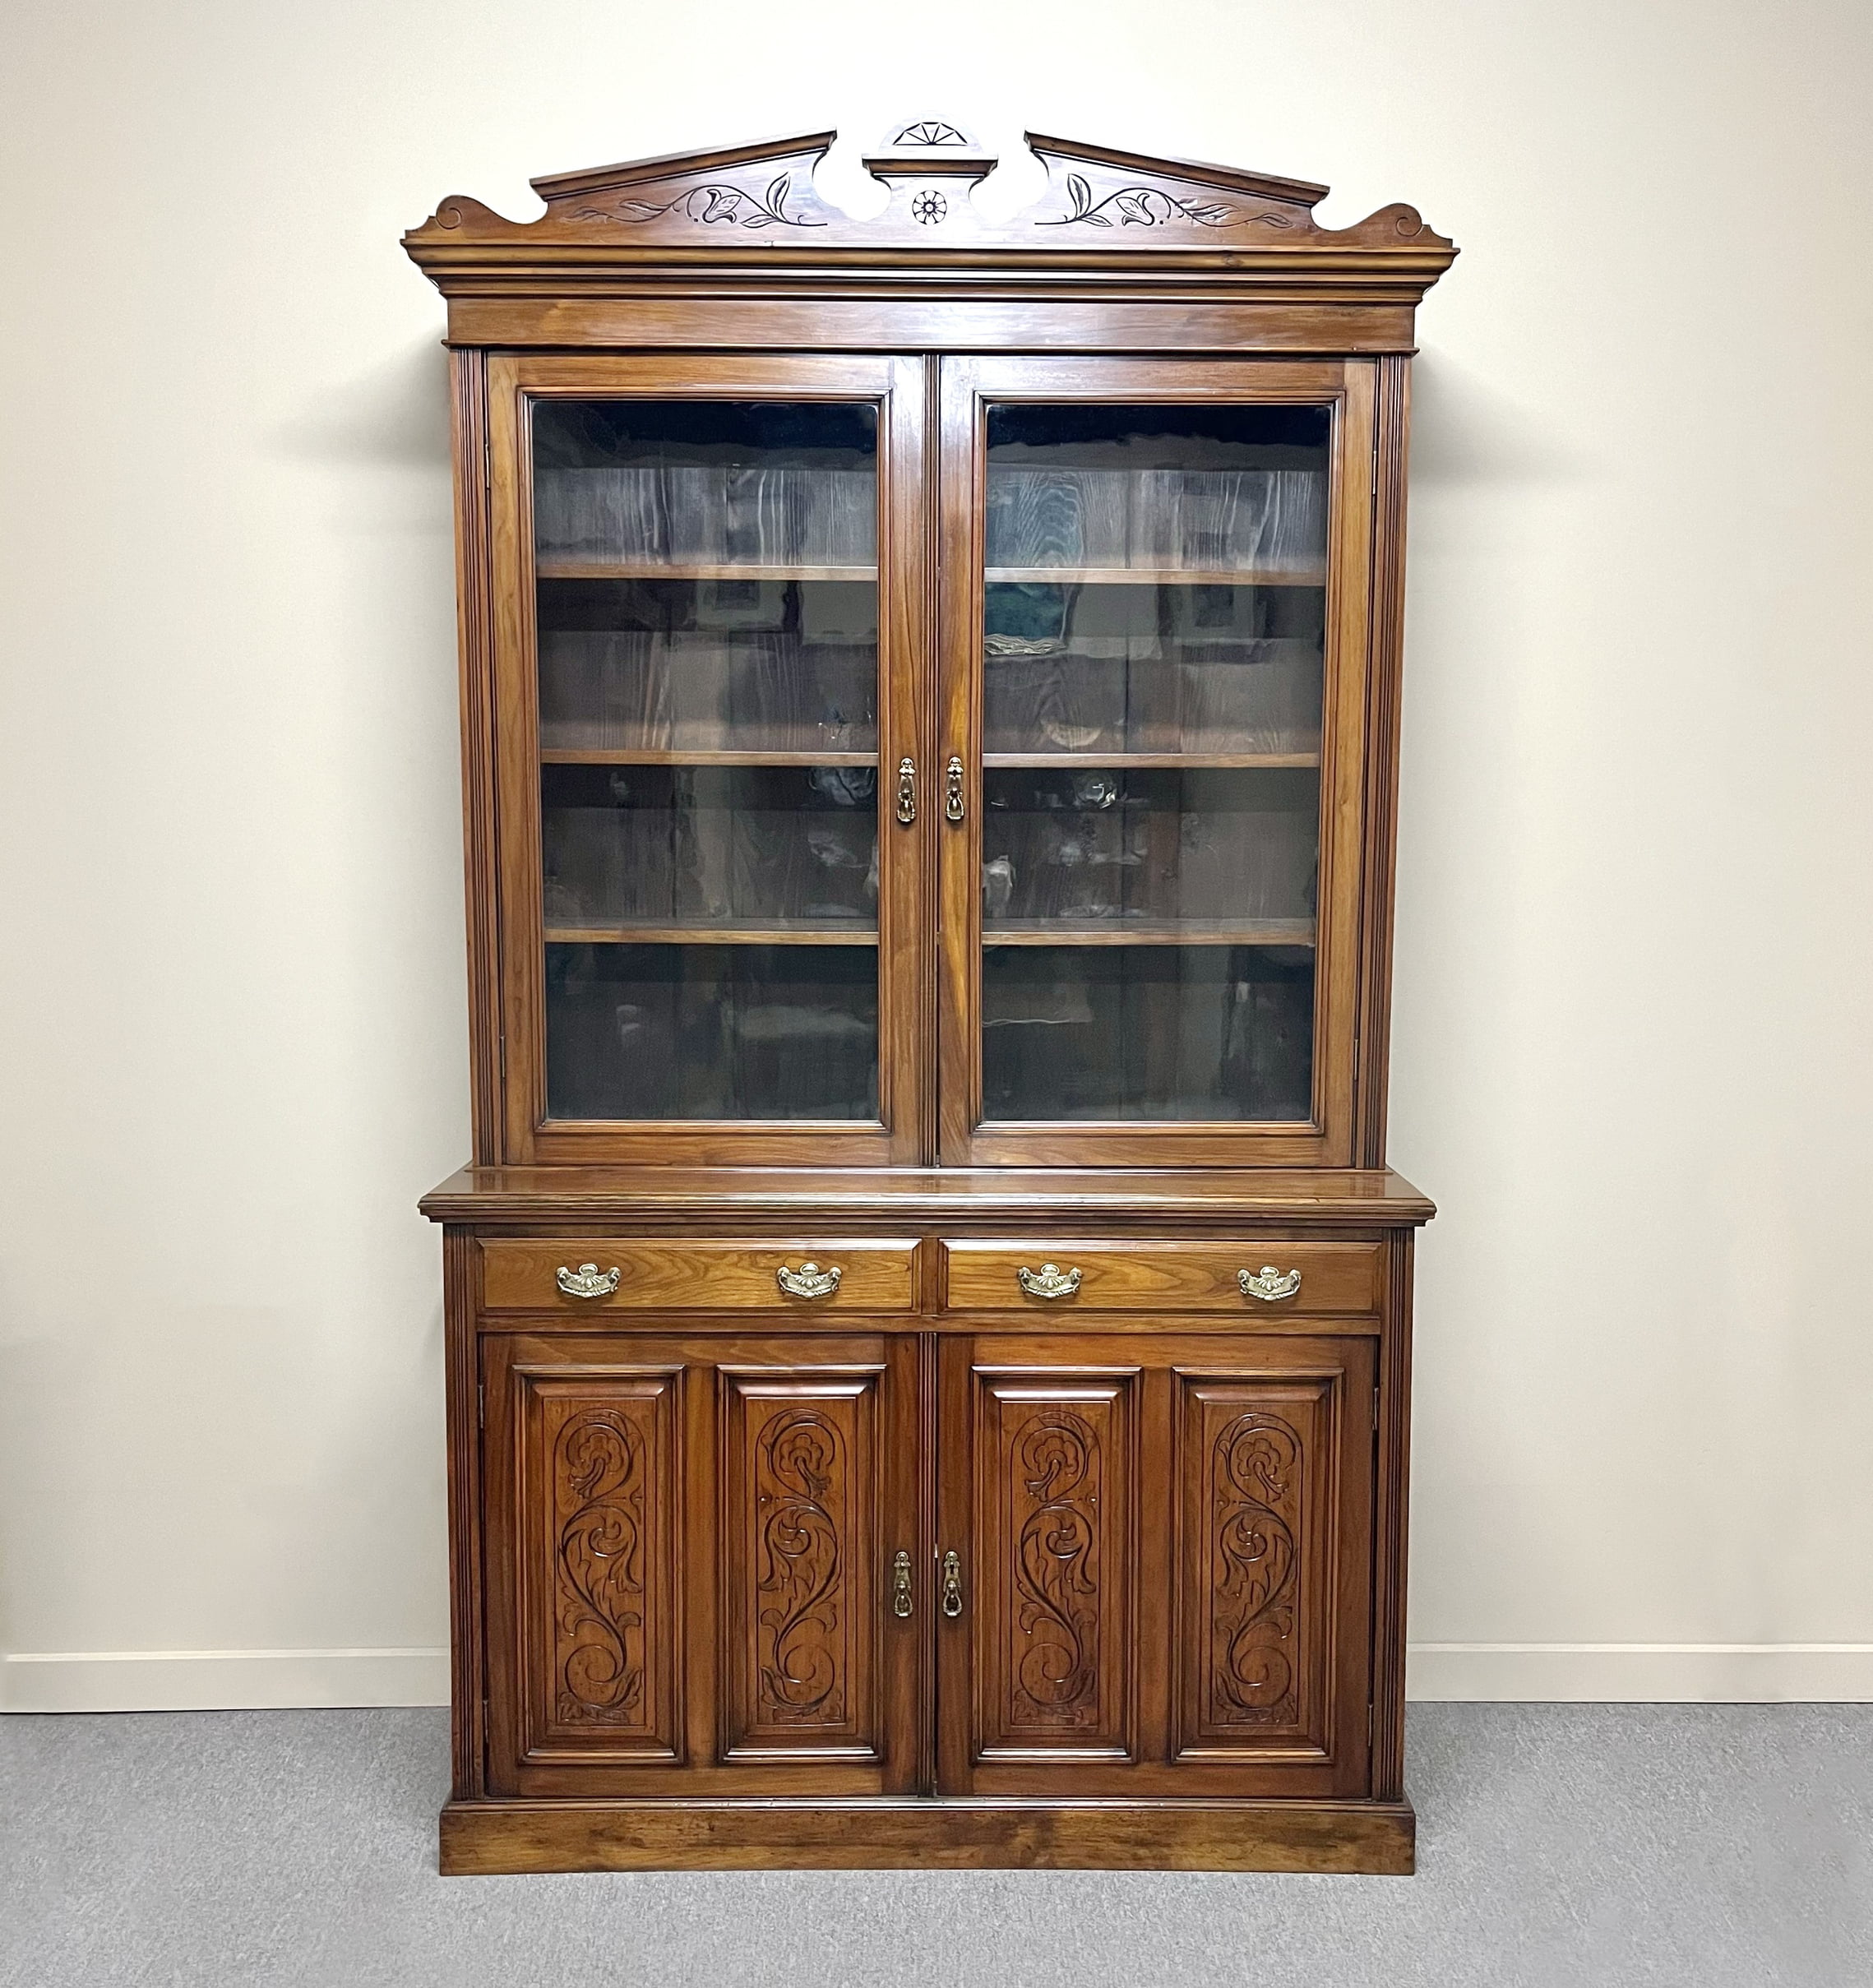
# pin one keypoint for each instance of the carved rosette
(599, 1469)
(1055, 1469)
(1255, 1503)
(802, 1469)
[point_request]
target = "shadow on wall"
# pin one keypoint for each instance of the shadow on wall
(1464, 430)
(395, 414)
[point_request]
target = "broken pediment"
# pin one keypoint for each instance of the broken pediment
(759, 202)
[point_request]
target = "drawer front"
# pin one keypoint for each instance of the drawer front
(1056, 1276)
(634, 1274)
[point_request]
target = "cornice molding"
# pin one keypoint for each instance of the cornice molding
(750, 217)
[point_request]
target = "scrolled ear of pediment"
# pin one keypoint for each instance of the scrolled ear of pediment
(762, 190)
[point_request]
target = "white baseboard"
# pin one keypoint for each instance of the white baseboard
(213, 1681)
(219, 1680)
(1716, 1673)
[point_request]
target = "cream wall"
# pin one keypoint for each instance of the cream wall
(1632, 1052)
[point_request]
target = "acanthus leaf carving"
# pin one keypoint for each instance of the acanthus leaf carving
(712, 202)
(599, 1460)
(1145, 206)
(798, 1587)
(1256, 1464)
(1057, 1572)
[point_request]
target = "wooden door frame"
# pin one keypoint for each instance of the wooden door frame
(695, 1369)
(905, 1133)
(967, 384)
(1160, 1368)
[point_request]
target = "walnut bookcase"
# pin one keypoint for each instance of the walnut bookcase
(928, 1316)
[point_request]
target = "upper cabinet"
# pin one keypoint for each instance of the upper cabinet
(931, 684)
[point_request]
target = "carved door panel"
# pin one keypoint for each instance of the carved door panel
(1164, 1571)
(691, 1581)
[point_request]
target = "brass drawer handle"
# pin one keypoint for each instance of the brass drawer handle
(809, 1280)
(587, 1281)
(901, 1584)
(953, 788)
(1269, 1284)
(1049, 1281)
(907, 790)
(952, 1584)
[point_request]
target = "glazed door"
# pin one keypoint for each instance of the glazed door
(1154, 646)
(702, 1572)
(711, 631)
(1155, 1555)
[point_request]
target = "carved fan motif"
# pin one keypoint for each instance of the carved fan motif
(929, 132)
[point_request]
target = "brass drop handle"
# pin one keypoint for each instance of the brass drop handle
(1269, 1284)
(952, 1584)
(953, 788)
(1049, 1281)
(809, 1280)
(907, 790)
(901, 1584)
(587, 1281)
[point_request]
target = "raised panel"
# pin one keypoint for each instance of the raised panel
(600, 1611)
(1056, 1472)
(800, 1555)
(1257, 1561)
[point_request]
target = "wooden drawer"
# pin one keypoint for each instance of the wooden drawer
(679, 1275)
(1333, 1277)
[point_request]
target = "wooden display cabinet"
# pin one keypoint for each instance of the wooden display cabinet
(928, 1317)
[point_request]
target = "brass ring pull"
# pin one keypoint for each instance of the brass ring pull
(900, 1585)
(1269, 1284)
(953, 788)
(587, 1281)
(1049, 1281)
(907, 790)
(952, 1584)
(809, 1280)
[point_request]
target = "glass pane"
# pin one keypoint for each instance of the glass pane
(708, 667)
(688, 1031)
(1154, 645)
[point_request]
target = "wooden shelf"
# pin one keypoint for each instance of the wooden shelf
(1150, 576)
(1194, 762)
(647, 569)
(783, 932)
(646, 755)
(1142, 931)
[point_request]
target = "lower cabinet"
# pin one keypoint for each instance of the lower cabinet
(724, 1565)
(690, 1547)
(1165, 1543)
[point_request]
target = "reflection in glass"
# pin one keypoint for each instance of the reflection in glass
(1156, 847)
(707, 646)
(1153, 650)
(1127, 668)
(712, 1032)
(666, 665)
(715, 845)
(1202, 1033)
(656, 483)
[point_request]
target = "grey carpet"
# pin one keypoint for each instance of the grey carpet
(1700, 1846)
